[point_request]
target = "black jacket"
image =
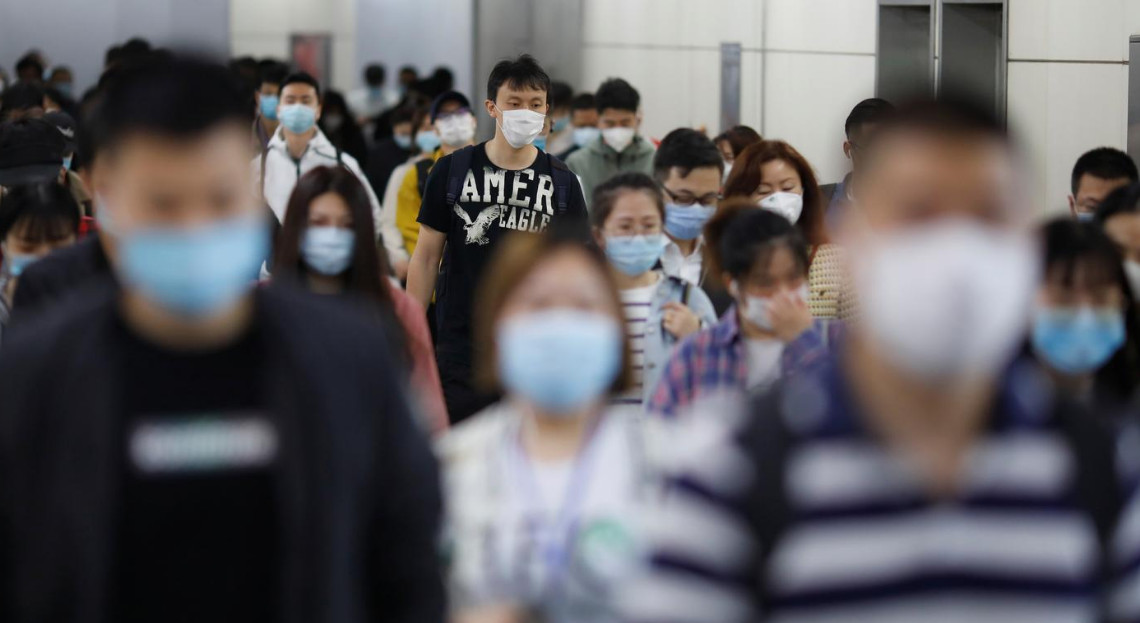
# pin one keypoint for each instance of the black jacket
(359, 497)
(60, 273)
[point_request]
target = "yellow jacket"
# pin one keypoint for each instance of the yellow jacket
(408, 205)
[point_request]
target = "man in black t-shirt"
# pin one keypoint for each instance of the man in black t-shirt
(184, 446)
(476, 196)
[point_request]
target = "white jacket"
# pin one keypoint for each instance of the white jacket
(282, 172)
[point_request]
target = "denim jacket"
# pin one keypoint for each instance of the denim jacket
(659, 343)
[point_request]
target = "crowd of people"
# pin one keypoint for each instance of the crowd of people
(270, 352)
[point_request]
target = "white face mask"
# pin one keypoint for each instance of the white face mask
(520, 127)
(755, 308)
(727, 172)
(456, 130)
(618, 138)
(949, 299)
(787, 205)
(1132, 271)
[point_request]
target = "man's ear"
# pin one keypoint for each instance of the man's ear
(490, 107)
(1073, 206)
(847, 149)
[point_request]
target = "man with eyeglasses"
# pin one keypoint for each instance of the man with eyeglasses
(857, 128)
(688, 167)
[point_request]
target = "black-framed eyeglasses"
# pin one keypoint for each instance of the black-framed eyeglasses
(686, 199)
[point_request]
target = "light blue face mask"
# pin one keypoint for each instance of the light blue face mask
(1086, 217)
(427, 141)
(15, 263)
(328, 250)
(67, 163)
(686, 222)
(633, 255)
(269, 106)
(585, 135)
(404, 141)
(559, 359)
(560, 124)
(1077, 341)
(540, 142)
(298, 118)
(194, 272)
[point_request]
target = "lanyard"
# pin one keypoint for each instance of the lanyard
(557, 550)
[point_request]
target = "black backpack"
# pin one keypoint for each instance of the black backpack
(461, 162)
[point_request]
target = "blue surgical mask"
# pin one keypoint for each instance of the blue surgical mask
(427, 141)
(686, 222)
(194, 272)
(328, 250)
(633, 255)
(560, 124)
(1077, 340)
(269, 106)
(67, 162)
(559, 359)
(64, 88)
(540, 142)
(15, 263)
(404, 141)
(298, 118)
(585, 135)
(1086, 217)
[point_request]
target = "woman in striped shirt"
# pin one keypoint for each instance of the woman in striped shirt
(628, 215)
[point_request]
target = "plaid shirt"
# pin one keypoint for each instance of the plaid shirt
(715, 360)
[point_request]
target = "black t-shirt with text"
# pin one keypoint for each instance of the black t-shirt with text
(492, 203)
(197, 534)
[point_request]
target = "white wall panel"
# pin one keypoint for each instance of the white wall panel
(1068, 29)
(822, 25)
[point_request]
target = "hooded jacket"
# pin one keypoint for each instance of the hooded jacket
(598, 162)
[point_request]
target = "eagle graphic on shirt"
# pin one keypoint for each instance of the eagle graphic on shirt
(477, 230)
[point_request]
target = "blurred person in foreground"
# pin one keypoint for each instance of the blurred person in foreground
(182, 447)
(919, 476)
(324, 248)
(1119, 215)
(1096, 174)
(35, 220)
(1084, 322)
(544, 487)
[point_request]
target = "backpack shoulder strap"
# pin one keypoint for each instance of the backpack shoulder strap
(423, 168)
(562, 180)
(456, 171)
(1097, 480)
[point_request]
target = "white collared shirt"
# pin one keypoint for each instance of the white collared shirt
(686, 267)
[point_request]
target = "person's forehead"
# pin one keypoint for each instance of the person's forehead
(903, 151)
(299, 89)
(618, 112)
(1090, 183)
(228, 139)
(508, 90)
(450, 106)
(699, 178)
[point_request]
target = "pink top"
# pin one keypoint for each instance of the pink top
(425, 374)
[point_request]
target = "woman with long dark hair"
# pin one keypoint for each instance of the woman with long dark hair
(326, 246)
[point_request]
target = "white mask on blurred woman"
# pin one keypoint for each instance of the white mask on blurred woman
(948, 299)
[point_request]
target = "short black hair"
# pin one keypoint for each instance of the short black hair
(949, 116)
(374, 74)
(1123, 200)
(176, 96)
(301, 77)
(30, 62)
(582, 101)
(741, 238)
(443, 78)
(1106, 163)
(560, 94)
(522, 72)
(607, 193)
(47, 209)
(409, 69)
(21, 96)
(867, 111)
(617, 94)
(272, 72)
(686, 149)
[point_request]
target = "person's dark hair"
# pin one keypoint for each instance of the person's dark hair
(113, 55)
(403, 114)
(871, 110)
(409, 69)
(301, 77)
(739, 138)
(685, 149)
(522, 72)
(746, 177)
(272, 73)
(367, 274)
(741, 237)
(30, 62)
(44, 211)
(583, 101)
(560, 94)
(514, 260)
(374, 74)
(1123, 200)
(61, 69)
(20, 97)
(1070, 246)
(949, 117)
(617, 94)
(177, 97)
(444, 78)
(607, 193)
(1106, 163)
(334, 102)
